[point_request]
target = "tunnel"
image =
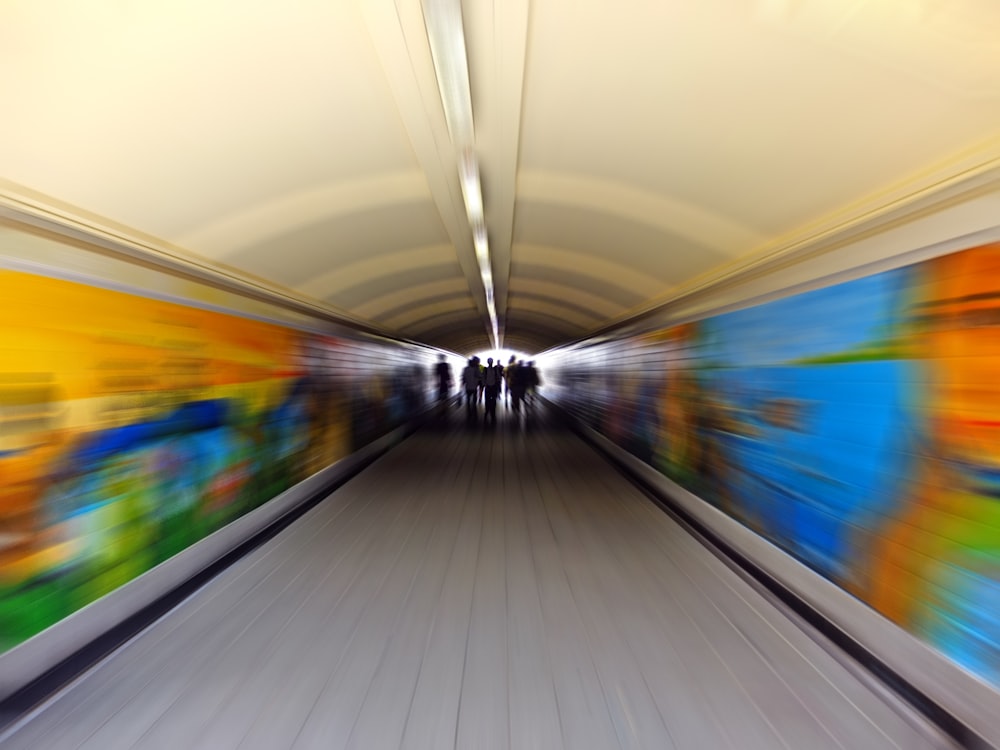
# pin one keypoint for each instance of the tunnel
(480, 374)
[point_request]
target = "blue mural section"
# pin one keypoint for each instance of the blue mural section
(816, 401)
(856, 426)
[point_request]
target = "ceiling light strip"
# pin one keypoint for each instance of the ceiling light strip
(446, 34)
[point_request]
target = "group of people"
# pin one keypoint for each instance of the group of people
(517, 382)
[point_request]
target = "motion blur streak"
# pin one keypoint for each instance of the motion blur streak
(131, 428)
(857, 426)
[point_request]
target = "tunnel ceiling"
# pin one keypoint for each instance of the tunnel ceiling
(626, 149)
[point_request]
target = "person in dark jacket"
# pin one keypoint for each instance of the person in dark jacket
(491, 386)
(471, 380)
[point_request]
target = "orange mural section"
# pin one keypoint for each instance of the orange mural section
(132, 427)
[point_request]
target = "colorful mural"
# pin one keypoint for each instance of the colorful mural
(857, 426)
(131, 427)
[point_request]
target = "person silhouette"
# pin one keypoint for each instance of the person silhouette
(442, 373)
(491, 387)
(471, 380)
(511, 363)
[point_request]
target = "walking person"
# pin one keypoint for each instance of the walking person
(518, 385)
(532, 381)
(470, 381)
(482, 379)
(508, 372)
(491, 387)
(444, 380)
(501, 374)
(443, 383)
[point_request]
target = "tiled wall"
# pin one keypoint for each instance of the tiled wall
(857, 426)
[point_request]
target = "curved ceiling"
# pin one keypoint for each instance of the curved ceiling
(625, 150)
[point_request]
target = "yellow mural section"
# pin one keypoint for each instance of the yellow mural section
(130, 427)
(108, 358)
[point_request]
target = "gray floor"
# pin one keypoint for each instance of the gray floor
(475, 590)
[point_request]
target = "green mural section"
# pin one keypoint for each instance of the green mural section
(130, 428)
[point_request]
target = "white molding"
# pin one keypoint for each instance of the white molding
(955, 216)
(87, 235)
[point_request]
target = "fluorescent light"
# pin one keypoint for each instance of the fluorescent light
(483, 255)
(479, 238)
(468, 172)
(446, 33)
